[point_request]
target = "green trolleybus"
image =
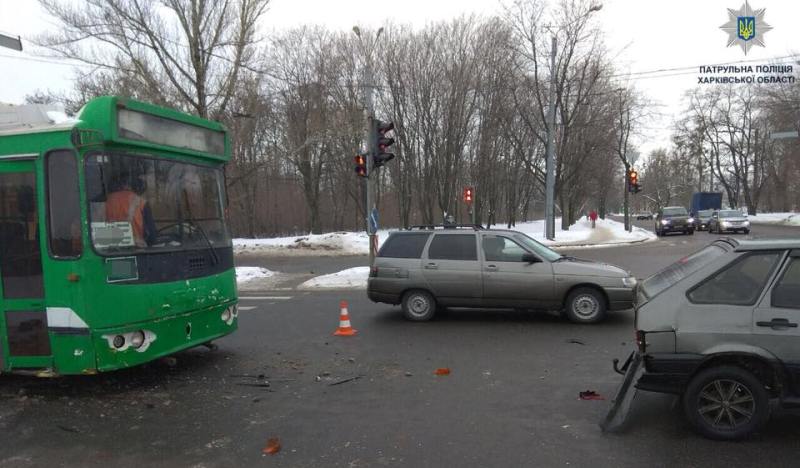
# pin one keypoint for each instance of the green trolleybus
(114, 247)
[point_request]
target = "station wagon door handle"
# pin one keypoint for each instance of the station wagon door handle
(431, 266)
(777, 323)
(491, 267)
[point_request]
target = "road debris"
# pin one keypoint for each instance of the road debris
(339, 382)
(574, 341)
(442, 371)
(273, 446)
(590, 395)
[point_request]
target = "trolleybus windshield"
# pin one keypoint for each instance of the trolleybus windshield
(146, 204)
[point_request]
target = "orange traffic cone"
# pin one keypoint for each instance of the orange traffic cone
(344, 322)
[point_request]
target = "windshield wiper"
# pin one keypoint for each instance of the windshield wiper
(214, 256)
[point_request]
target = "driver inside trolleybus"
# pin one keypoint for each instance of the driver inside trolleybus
(126, 203)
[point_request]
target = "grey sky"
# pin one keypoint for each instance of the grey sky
(644, 35)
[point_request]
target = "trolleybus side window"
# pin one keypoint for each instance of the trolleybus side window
(64, 209)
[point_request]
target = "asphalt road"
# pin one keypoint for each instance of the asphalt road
(511, 398)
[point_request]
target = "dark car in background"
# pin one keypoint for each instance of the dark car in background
(673, 219)
(729, 221)
(701, 219)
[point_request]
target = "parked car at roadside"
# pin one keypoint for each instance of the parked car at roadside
(644, 215)
(673, 219)
(428, 267)
(720, 329)
(728, 221)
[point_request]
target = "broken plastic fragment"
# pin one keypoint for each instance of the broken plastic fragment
(590, 395)
(442, 371)
(273, 446)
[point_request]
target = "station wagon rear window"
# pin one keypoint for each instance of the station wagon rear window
(404, 245)
(679, 270)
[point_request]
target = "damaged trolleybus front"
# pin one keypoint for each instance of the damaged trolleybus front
(114, 247)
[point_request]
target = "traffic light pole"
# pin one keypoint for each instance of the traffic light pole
(371, 151)
(626, 204)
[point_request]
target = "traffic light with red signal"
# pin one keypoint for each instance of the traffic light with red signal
(469, 195)
(633, 181)
(361, 165)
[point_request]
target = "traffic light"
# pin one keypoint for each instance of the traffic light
(382, 143)
(633, 181)
(361, 165)
(468, 195)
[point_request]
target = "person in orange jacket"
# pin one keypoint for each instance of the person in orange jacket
(126, 204)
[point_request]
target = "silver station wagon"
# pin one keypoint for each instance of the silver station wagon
(720, 329)
(429, 266)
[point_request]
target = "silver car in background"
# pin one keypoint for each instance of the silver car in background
(427, 267)
(723, 221)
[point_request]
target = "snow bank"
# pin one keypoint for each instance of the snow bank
(352, 278)
(330, 244)
(786, 219)
(607, 232)
(245, 274)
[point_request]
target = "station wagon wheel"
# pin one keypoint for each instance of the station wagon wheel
(585, 305)
(418, 305)
(726, 403)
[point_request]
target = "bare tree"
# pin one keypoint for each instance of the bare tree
(188, 53)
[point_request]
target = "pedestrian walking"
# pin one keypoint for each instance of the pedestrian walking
(593, 217)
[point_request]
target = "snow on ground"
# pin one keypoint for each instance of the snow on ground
(786, 219)
(245, 274)
(330, 244)
(352, 278)
(607, 232)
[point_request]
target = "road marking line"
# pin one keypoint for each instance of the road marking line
(247, 307)
(265, 298)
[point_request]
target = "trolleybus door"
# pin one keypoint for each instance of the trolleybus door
(23, 323)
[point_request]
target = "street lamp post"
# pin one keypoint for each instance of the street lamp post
(369, 109)
(550, 175)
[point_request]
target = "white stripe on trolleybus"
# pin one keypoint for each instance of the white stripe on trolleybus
(264, 298)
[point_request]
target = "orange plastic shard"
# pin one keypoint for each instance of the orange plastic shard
(273, 446)
(442, 371)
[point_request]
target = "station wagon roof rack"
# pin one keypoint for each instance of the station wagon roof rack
(476, 227)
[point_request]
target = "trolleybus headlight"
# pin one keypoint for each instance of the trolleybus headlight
(226, 315)
(137, 339)
(119, 341)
